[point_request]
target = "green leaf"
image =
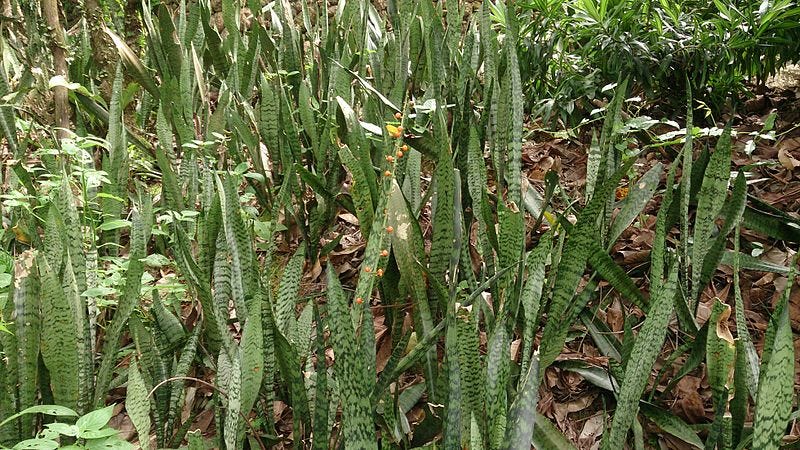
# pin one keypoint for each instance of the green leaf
(36, 444)
(616, 275)
(746, 350)
(776, 381)
(288, 289)
(473, 387)
(137, 404)
(593, 166)
(251, 351)
(497, 374)
(141, 226)
(133, 64)
(59, 344)
(640, 194)
(522, 415)
(646, 348)
(671, 424)
(547, 436)
(443, 216)
(531, 295)
(570, 270)
(50, 410)
(94, 420)
(350, 370)
(709, 204)
(26, 303)
(731, 213)
(720, 349)
(407, 246)
(360, 188)
(229, 379)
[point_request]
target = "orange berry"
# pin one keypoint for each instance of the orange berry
(368, 269)
(400, 129)
(390, 229)
(399, 154)
(404, 148)
(387, 174)
(384, 253)
(359, 300)
(390, 158)
(379, 272)
(398, 115)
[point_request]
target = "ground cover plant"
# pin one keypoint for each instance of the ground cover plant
(301, 225)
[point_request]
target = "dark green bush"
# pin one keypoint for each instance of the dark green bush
(570, 49)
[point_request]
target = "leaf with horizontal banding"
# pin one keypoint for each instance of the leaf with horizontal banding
(443, 232)
(251, 355)
(531, 295)
(27, 330)
(407, 246)
(362, 198)
(709, 203)
(140, 234)
(229, 379)
(522, 415)
(182, 369)
(731, 213)
(350, 370)
(570, 269)
(59, 344)
(646, 348)
(473, 387)
(498, 364)
(776, 381)
(288, 289)
(137, 404)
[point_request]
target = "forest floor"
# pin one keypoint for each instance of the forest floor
(575, 405)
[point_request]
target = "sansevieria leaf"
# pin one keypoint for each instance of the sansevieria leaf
(709, 203)
(570, 269)
(646, 348)
(648, 342)
(59, 338)
(522, 416)
(350, 370)
(137, 404)
(776, 380)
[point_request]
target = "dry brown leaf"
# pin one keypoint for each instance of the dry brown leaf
(591, 431)
(690, 403)
(615, 317)
(349, 218)
(561, 409)
(786, 154)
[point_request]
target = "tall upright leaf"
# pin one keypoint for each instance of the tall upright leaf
(350, 370)
(776, 380)
(709, 203)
